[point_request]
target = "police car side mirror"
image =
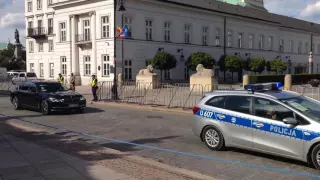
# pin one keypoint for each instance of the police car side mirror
(290, 120)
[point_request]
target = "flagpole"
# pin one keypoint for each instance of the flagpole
(122, 59)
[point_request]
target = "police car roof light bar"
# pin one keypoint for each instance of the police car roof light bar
(263, 87)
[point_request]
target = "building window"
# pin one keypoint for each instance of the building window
(41, 70)
(281, 44)
(51, 69)
(39, 4)
(39, 23)
(270, 43)
(167, 31)
(299, 47)
(40, 46)
(86, 30)
(250, 41)
(167, 74)
(229, 33)
(63, 35)
(106, 67)
(50, 26)
(63, 65)
(51, 48)
(49, 2)
(261, 42)
(30, 24)
(32, 67)
(105, 23)
(240, 40)
(306, 48)
(205, 35)
(128, 22)
(148, 30)
(290, 46)
(187, 33)
(31, 49)
(29, 6)
(87, 65)
(128, 70)
(217, 40)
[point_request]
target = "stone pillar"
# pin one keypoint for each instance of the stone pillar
(74, 51)
(120, 79)
(310, 63)
(288, 82)
(94, 45)
(245, 80)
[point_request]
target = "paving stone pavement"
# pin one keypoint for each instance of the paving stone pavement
(22, 160)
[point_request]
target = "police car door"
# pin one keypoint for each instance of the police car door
(270, 134)
(236, 116)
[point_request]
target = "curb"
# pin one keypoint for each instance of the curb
(127, 156)
(144, 107)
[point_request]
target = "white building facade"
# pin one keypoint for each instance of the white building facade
(78, 36)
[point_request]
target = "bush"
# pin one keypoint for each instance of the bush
(296, 78)
(314, 82)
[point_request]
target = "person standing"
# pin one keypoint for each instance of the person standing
(72, 82)
(61, 79)
(94, 87)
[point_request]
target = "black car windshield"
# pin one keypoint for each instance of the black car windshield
(51, 87)
(306, 106)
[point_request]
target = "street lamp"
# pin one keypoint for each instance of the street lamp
(121, 9)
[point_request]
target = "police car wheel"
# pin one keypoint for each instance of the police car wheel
(213, 138)
(315, 156)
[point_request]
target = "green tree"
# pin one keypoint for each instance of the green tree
(278, 66)
(163, 61)
(257, 65)
(200, 58)
(233, 64)
(222, 67)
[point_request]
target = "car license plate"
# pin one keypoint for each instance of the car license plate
(73, 105)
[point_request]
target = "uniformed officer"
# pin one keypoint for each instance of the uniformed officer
(61, 79)
(94, 87)
(72, 82)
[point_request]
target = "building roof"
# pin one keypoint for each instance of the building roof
(248, 12)
(3, 46)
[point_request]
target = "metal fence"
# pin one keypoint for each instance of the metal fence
(306, 90)
(172, 95)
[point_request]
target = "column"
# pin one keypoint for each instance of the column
(73, 46)
(94, 45)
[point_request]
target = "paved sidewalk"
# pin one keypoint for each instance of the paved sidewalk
(22, 160)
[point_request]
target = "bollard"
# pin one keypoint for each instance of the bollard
(120, 79)
(245, 80)
(288, 82)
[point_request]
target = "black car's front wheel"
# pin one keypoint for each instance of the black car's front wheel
(15, 103)
(45, 108)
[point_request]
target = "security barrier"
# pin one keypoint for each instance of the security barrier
(171, 95)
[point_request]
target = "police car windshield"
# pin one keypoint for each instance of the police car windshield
(304, 105)
(51, 87)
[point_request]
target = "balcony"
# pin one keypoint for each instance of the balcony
(83, 39)
(37, 33)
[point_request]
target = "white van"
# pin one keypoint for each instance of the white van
(24, 76)
(3, 74)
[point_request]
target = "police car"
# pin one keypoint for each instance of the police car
(263, 118)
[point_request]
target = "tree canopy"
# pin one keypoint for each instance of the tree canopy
(233, 63)
(8, 61)
(200, 58)
(257, 64)
(164, 61)
(278, 66)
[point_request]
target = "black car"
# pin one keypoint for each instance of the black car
(47, 97)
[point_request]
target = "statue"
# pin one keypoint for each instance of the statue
(201, 71)
(147, 72)
(16, 36)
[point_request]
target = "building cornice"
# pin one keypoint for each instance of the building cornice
(30, 16)
(38, 15)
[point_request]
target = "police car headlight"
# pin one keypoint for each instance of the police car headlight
(82, 98)
(56, 100)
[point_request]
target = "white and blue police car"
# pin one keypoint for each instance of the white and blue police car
(263, 118)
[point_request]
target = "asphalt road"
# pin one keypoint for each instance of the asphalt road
(165, 130)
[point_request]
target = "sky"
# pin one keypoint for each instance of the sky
(12, 14)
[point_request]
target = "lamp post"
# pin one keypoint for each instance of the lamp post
(121, 9)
